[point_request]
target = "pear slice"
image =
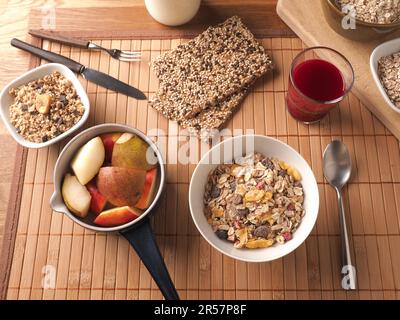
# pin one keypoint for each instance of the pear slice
(130, 151)
(76, 197)
(88, 160)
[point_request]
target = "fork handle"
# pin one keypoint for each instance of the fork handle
(54, 36)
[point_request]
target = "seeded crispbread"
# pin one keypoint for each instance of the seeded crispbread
(205, 71)
(209, 119)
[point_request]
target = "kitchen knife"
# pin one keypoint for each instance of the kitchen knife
(91, 75)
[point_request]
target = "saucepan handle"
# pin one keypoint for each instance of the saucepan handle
(143, 241)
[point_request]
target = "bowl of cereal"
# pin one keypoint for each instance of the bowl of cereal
(254, 198)
(44, 105)
(362, 20)
(385, 66)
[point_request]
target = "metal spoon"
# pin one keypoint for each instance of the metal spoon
(337, 171)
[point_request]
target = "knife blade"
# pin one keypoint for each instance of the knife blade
(111, 83)
(91, 75)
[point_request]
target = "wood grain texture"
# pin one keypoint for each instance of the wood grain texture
(102, 266)
(17, 17)
(129, 23)
(98, 266)
(306, 18)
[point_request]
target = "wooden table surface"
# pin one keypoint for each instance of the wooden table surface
(14, 23)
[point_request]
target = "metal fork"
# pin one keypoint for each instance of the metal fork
(122, 55)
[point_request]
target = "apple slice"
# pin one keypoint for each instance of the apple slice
(130, 151)
(109, 140)
(117, 216)
(149, 189)
(88, 160)
(121, 186)
(98, 201)
(76, 197)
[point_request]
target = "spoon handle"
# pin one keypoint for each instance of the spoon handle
(348, 270)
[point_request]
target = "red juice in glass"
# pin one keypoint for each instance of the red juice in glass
(316, 85)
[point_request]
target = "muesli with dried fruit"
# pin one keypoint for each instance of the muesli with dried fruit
(45, 108)
(255, 202)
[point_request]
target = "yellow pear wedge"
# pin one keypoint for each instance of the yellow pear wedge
(130, 151)
(88, 160)
(76, 196)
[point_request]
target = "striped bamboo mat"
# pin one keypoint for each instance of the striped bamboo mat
(53, 258)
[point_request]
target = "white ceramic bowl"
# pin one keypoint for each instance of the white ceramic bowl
(231, 149)
(383, 50)
(6, 100)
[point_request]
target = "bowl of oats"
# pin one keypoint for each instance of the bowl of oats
(254, 198)
(385, 69)
(362, 20)
(44, 106)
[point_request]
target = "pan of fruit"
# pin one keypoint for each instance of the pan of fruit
(109, 178)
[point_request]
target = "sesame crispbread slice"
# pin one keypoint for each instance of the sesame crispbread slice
(198, 75)
(210, 118)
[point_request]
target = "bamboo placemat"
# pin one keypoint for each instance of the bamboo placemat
(86, 265)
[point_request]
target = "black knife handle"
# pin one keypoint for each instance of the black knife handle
(49, 56)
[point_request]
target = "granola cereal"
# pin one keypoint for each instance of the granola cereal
(375, 11)
(389, 74)
(45, 108)
(255, 202)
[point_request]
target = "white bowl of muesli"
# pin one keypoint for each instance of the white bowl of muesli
(254, 198)
(385, 68)
(44, 105)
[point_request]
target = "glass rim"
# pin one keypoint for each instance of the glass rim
(337, 100)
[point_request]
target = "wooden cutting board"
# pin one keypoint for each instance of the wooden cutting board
(307, 20)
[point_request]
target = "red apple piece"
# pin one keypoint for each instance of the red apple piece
(98, 201)
(109, 140)
(117, 216)
(121, 186)
(149, 189)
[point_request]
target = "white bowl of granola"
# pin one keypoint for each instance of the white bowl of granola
(254, 198)
(385, 66)
(44, 105)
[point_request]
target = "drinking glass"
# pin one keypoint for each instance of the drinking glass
(319, 79)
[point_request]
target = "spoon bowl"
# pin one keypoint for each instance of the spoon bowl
(337, 164)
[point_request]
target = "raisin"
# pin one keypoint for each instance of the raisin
(215, 192)
(298, 184)
(243, 212)
(222, 234)
(63, 98)
(266, 162)
(261, 232)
